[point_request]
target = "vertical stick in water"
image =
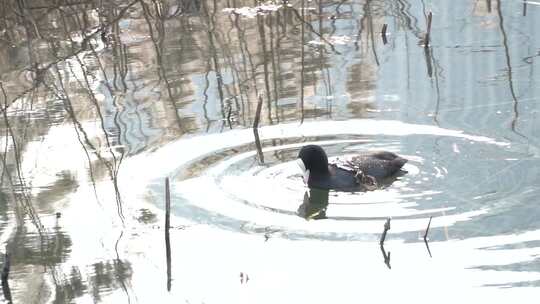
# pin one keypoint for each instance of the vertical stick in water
(428, 33)
(427, 229)
(383, 33)
(427, 55)
(386, 228)
(425, 236)
(167, 226)
(256, 131)
(257, 117)
(229, 113)
(5, 275)
(302, 65)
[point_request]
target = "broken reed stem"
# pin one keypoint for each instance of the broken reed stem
(427, 229)
(383, 33)
(229, 113)
(386, 228)
(428, 33)
(383, 237)
(427, 246)
(256, 131)
(257, 113)
(167, 226)
(5, 274)
(427, 55)
(386, 257)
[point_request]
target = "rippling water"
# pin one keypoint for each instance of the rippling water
(212, 182)
(101, 101)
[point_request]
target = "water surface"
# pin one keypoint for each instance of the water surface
(101, 101)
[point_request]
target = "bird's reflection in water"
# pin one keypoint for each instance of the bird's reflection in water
(314, 205)
(314, 208)
(316, 200)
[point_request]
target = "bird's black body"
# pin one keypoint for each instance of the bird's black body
(363, 171)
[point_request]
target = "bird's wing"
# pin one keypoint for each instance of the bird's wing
(382, 155)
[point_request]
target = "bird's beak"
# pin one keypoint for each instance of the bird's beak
(305, 172)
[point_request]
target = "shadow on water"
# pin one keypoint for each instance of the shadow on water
(101, 100)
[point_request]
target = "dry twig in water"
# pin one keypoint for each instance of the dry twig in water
(256, 131)
(167, 226)
(5, 275)
(386, 228)
(428, 33)
(383, 33)
(425, 236)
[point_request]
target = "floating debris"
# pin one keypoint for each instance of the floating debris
(244, 278)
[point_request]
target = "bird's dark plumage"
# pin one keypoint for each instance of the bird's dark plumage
(364, 170)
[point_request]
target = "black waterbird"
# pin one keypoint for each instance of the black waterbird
(363, 171)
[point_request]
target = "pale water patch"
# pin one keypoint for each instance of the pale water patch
(235, 191)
